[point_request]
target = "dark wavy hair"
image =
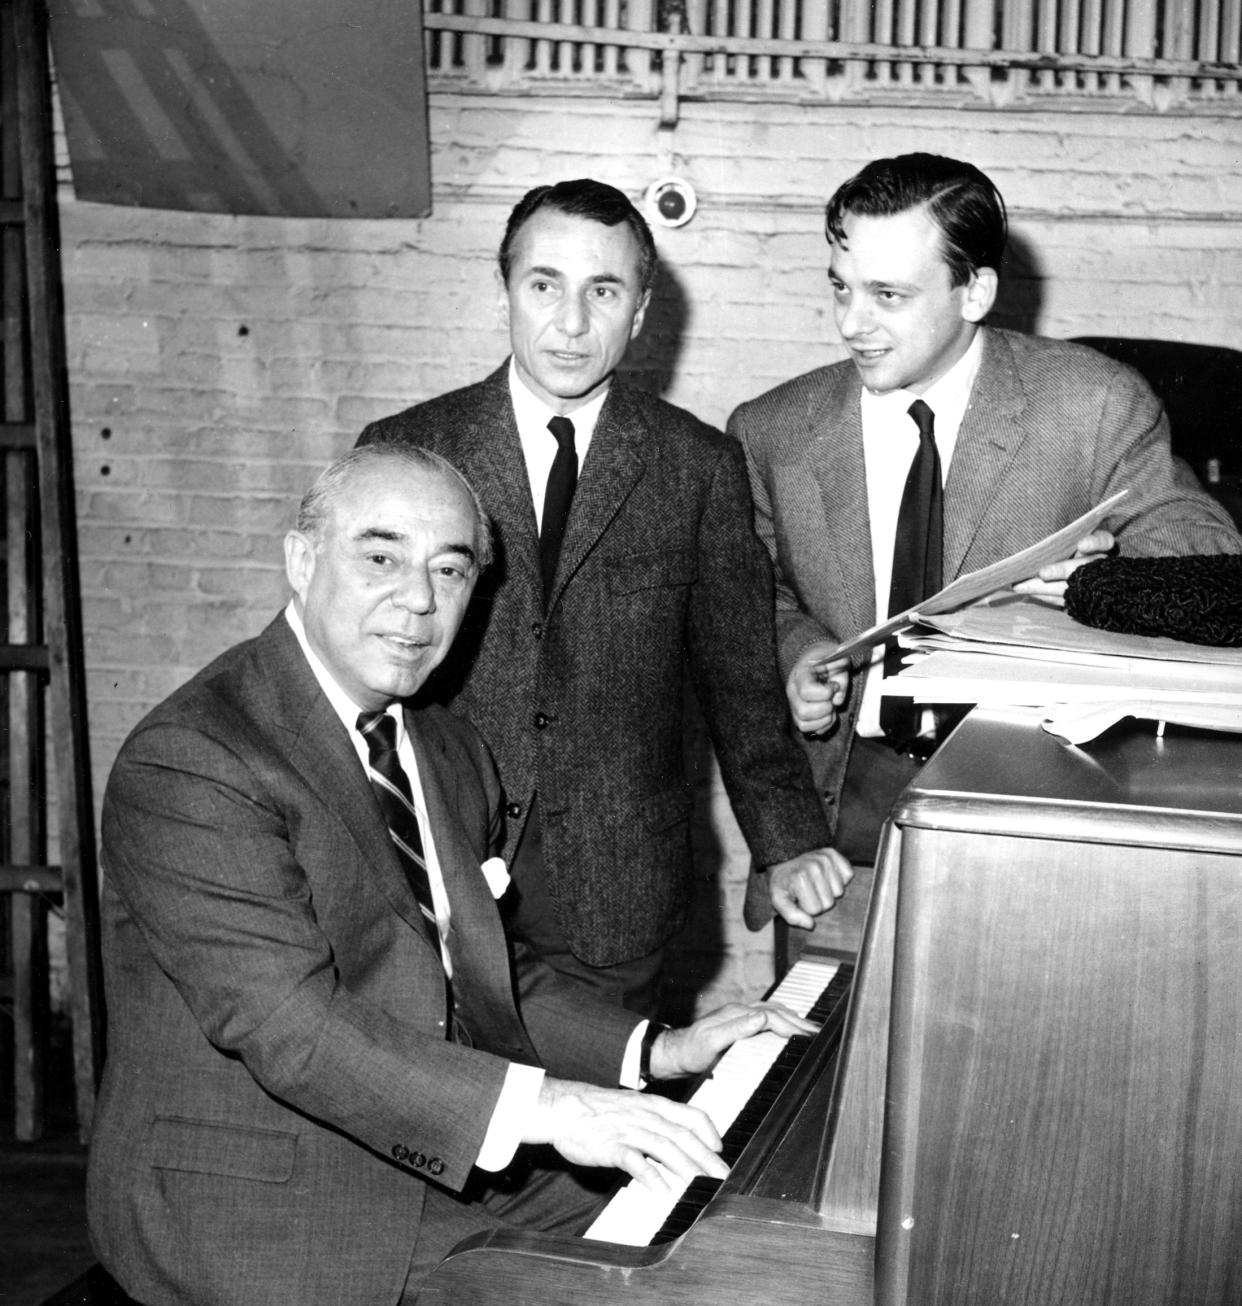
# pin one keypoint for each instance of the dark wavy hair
(960, 200)
(583, 198)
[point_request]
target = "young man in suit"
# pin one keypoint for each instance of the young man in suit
(1028, 433)
(324, 1064)
(627, 562)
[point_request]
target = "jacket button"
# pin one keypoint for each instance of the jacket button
(513, 809)
(541, 721)
(400, 1153)
(436, 1166)
(418, 1160)
(536, 629)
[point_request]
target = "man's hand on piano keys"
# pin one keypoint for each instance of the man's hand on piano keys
(627, 1130)
(696, 1048)
(807, 886)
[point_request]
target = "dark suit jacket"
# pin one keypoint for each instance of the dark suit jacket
(279, 1086)
(1051, 430)
(583, 703)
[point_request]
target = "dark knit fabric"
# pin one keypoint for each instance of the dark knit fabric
(1196, 599)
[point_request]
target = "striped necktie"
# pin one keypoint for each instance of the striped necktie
(391, 786)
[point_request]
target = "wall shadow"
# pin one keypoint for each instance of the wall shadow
(652, 360)
(1020, 298)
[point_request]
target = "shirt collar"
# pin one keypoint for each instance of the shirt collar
(533, 414)
(947, 396)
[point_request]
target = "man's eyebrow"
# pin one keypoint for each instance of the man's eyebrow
(893, 284)
(889, 283)
(386, 534)
(555, 274)
(389, 536)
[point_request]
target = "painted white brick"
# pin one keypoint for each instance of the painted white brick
(229, 358)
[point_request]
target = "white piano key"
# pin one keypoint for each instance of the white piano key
(634, 1216)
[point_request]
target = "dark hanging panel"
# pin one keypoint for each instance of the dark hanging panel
(291, 108)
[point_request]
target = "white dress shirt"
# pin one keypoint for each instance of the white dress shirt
(890, 441)
(538, 443)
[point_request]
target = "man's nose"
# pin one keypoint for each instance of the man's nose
(573, 316)
(415, 592)
(854, 319)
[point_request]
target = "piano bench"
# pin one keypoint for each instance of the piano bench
(94, 1288)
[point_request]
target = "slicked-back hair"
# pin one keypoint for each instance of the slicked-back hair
(318, 501)
(960, 200)
(583, 198)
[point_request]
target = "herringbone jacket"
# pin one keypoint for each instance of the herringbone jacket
(661, 583)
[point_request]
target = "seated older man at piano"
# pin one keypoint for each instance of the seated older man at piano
(326, 1064)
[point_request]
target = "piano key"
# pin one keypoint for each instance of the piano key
(635, 1215)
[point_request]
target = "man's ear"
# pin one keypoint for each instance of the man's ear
(640, 313)
(980, 294)
(299, 562)
(502, 299)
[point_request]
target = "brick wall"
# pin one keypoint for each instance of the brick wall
(217, 362)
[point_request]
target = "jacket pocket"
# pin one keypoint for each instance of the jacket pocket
(660, 811)
(644, 571)
(237, 1151)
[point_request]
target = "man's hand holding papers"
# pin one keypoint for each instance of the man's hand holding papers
(1049, 581)
(817, 687)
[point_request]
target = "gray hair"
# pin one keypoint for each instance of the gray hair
(318, 500)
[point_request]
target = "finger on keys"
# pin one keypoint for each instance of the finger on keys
(780, 1020)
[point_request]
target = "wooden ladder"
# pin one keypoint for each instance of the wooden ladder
(44, 762)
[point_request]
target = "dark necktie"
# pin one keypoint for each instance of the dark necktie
(560, 494)
(391, 786)
(917, 562)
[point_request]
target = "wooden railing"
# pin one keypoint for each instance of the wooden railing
(1154, 55)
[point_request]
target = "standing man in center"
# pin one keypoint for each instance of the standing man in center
(626, 561)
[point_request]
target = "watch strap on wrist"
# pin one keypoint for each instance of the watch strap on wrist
(653, 1032)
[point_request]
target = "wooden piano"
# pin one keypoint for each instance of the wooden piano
(1033, 1094)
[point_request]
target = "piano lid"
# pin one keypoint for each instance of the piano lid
(1000, 771)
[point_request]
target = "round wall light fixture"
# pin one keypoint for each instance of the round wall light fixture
(670, 202)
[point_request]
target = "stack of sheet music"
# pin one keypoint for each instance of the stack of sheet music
(1017, 651)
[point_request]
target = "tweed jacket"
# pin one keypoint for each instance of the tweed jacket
(582, 701)
(1051, 429)
(279, 1087)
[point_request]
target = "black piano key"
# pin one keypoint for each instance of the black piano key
(747, 1121)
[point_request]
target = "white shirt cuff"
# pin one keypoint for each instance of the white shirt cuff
(514, 1107)
(517, 1100)
(630, 1063)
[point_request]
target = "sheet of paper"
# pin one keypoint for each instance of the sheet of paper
(1079, 724)
(973, 677)
(987, 580)
(1034, 629)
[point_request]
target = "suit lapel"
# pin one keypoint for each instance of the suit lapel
(491, 455)
(835, 459)
(615, 463)
(990, 436)
(320, 750)
(482, 982)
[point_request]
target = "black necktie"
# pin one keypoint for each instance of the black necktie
(917, 562)
(560, 494)
(391, 786)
